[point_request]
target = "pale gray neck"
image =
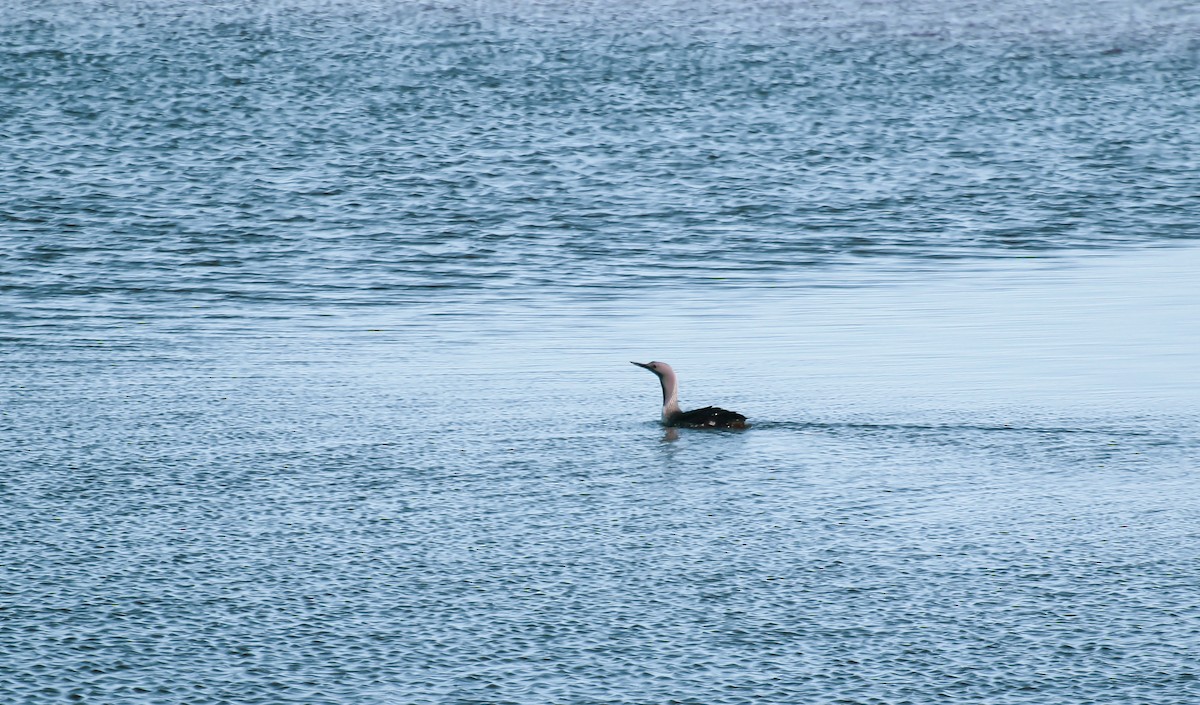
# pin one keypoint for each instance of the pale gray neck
(670, 388)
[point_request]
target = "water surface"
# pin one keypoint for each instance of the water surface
(315, 321)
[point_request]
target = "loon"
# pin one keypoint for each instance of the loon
(708, 417)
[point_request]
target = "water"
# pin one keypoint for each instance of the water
(315, 321)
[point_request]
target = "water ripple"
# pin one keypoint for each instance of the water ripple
(238, 155)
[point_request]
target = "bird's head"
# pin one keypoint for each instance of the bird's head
(658, 368)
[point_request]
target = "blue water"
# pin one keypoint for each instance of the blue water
(315, 323)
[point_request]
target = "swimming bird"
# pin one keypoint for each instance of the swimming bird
(708, 417)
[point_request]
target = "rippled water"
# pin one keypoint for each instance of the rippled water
(315, 321)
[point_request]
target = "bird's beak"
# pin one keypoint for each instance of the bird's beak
(644, 365)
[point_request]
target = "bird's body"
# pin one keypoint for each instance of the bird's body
(673, 416)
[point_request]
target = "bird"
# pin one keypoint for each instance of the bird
(672, 416)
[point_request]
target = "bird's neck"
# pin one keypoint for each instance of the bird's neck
(670, 396)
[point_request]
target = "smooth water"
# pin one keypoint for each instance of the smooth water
(316, 321)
